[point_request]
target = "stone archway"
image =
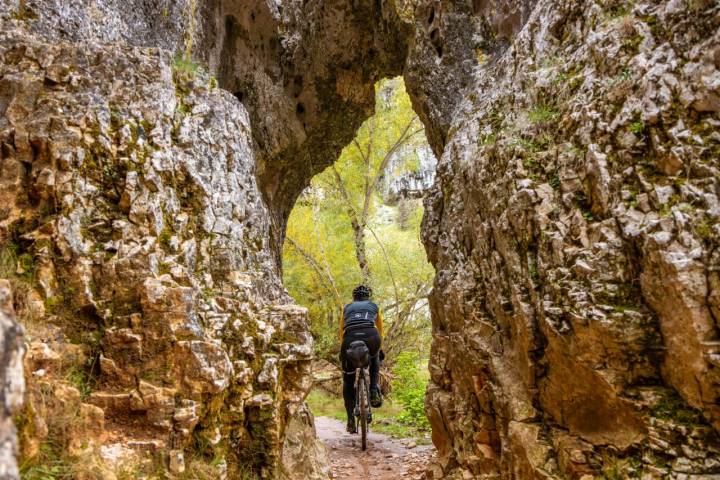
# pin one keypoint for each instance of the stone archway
(571, 373)
(573, 225)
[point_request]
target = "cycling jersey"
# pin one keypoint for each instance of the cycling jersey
(361, 314)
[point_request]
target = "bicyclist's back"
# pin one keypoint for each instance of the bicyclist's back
(361, 314)
(361, 321)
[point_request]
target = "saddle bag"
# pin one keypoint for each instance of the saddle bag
(358, 354)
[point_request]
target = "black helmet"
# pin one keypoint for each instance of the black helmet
(361, 292)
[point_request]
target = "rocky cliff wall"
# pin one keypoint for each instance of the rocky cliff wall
(574, 229)
(138, 246)
(573, 222)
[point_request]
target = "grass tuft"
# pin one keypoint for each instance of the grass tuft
(185, 64)
(543, 114)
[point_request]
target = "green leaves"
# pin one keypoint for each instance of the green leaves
(409, 389)
(342, 220)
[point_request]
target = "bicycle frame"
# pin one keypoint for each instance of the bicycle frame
(362, 401)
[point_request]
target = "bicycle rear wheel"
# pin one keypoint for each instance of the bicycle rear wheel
(363, 400)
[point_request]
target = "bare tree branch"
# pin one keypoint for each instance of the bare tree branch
(387, 262)
(326, 264)
(359, 149)
(310, 260)
(358, 226)
(404, 137)
(405, 300)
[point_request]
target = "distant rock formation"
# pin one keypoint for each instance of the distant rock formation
(412, 184)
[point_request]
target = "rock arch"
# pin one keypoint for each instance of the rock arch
(572, 373)
(573, 224)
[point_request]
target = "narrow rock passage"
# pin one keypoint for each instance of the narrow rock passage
(385, 459)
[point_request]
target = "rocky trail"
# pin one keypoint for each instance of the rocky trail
(385, 458)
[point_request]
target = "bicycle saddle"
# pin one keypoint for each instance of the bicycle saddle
(358, 354)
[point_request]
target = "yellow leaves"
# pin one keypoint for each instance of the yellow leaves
(319, 261)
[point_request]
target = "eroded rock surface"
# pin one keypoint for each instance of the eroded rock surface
(574, 229)
(304, 455)
(12, 381)
(140, 244)
(573, 223)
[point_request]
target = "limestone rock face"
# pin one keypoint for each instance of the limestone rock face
(574, 229)
(12, 381)
(573, 224)
(304, 455)
(131, 211)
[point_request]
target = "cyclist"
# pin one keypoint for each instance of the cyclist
(361, 321)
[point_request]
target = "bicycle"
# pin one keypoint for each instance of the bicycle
(362, 402)
(358, 356)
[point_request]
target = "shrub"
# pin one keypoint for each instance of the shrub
(409, 389)
(8, 259)
(637, 127)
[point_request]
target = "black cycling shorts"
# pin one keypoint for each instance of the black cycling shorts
(369, 335)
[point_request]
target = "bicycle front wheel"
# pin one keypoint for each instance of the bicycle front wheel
(363, 397)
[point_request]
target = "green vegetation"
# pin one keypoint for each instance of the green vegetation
(488, 139)
(324, 404)
(165, 237)
(530, 163)
(554, 182)
(637, 127)
(16, 264)
(672, 407)
(705, 229)
(26, 265)
(185, 64)
(47, 465)
(391, 419)
(343, 232)
(632, 44)
(543, 114)
(199, 468)
(409, 390)
(8, 259)
(79, 378)
(560, 78)
(52, 461)
(698, 5)
(403, 413)
(528, 144)
(618, 468)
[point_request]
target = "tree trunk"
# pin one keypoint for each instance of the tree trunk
(361, 251)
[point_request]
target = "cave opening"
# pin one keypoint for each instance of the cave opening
(358, 222)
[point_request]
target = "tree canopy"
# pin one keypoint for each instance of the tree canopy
(343, 231)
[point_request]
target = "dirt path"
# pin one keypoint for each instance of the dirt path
(385, 459)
